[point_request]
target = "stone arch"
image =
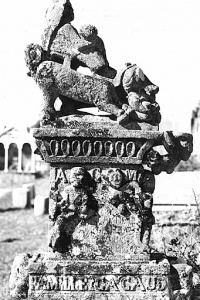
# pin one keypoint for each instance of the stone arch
(13, 157)
(26, 157)
(2, 156)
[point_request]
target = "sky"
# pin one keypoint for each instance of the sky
(160, 36)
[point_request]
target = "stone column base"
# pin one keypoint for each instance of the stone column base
(51, 276)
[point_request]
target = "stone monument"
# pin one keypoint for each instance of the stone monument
(102, 174)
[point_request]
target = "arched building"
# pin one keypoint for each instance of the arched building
(17, 151)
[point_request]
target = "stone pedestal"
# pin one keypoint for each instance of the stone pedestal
(58, 278)
(100, 214)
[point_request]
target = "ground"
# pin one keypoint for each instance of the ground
(20, 231)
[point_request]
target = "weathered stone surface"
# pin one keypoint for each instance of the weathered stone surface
(77, 206)
(54, 276)
(143, 281)
(100, 121)
(179, 147)
(123, 195)
(111, 145)
(102, 146)
(59, 12)
(121, 221)
(102, 173)
(59, 276)
(64, 49)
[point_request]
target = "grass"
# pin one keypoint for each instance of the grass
(20, 231)
(177, 235)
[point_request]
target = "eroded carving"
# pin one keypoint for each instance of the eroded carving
(131, 198)
(97, 283)
(140, 94)
(102, 172)
(120, 192)
(125, 150)
(117, 205)
(77, 204)
(126, 194)
(179, 147)
(54, 67)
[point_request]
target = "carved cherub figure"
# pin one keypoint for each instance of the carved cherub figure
(77, 197)
(140, 95)
(121, 192)
(129, 198)
(77, 204)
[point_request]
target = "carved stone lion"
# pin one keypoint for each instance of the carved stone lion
(54, 66)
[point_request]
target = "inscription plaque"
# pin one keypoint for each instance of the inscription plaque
(105, 283)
